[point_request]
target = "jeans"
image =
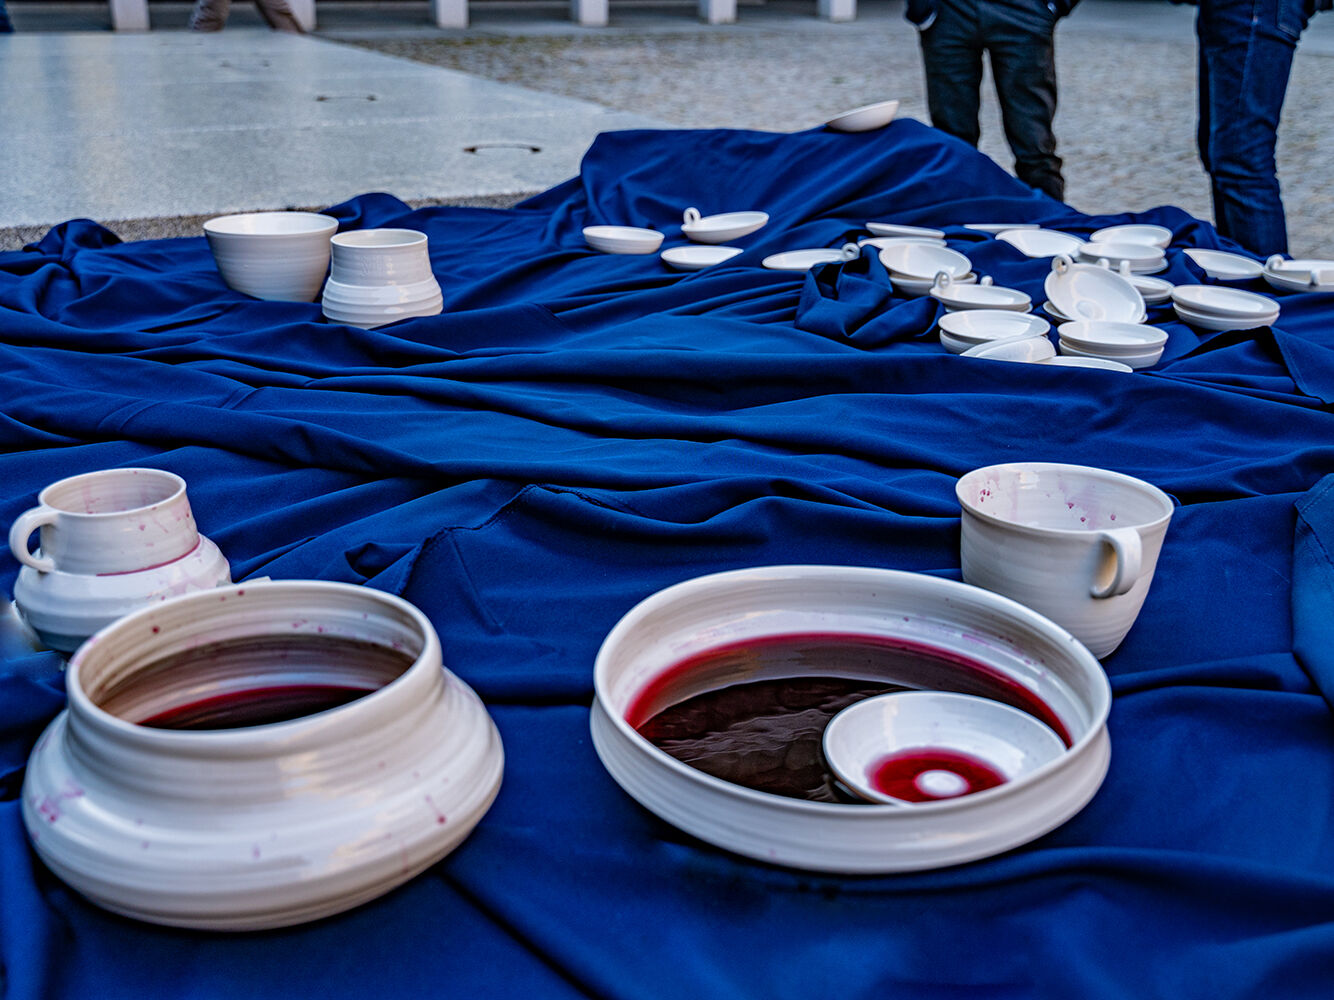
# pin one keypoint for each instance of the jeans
(1246, 50)
(1020, 46)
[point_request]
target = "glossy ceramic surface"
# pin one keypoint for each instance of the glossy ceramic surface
(380, 276)
(865, 118)
(1110, 338)
(1074, 543)
(880, 242)
(1154, 236)
(721, 228)
(270, 825)
(1010, 742)
(1139, 257)
(272, 255)
(623, 239)
(705, 613)
(1225, 266)
(1086, 291)
(1306, 274)
(697, 258)
(804, 260)
(1224, 302)
(1022, 349)
(999, 227)
(1040, 242)
(984, 295)
(1218, 324)
(922, 262)
(895, 229)
(1072, 361)
(923, 286)
(978, 326)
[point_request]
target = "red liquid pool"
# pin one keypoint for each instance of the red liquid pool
(767, 734)
(255, 707)
(907, 775)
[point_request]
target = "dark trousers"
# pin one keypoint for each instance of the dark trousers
(1246, 50)
(1023, 65)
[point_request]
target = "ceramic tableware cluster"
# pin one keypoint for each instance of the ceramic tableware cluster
(272, 255)
(678, 624)
(913, 267)
(960, 296)
(1135, 344)
(1216, 308)
(380, 276)
(1301, 275)
(961, 331)
(1139, 258)
(109, 542)
(271, 824)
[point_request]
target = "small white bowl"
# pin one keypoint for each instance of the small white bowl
(1154, 236)
(912, 747)
(1087, 291)
(894, 229)
(1212, 300)
(721, 228)
(1072, 361)
(804, 260)
(962, 297)
(1219, 324)
(1134, 361)
(1040, 242)
(919, 261)
(1108, 338)
(971, 327)
(1224, 266)
(277, 256)
(866, 118)
(1025, 349)
(697, 258)
(622, 239)
(1141, 257)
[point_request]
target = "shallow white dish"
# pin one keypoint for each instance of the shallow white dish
(880, 242)
(1223, 302)
(1149, 235)
(1154, 291)
(1225, 266)
(671, 627)
(922, 286)
(1219, 324)
(697, 258)
(622, 239)
(979, 326)
(1024, 348)
(1110, 339)
(273, 824)
(1040, 242)
(1146, 360)
(1300, 275)
(999, 227)
(804, 260)
(866, 118)
(1140, 257)
(894, 229)
(1071, 361)
(984, 295)
(920, 261)
(941, 729)
(721, 228)
(1087, 291)
(280, 256)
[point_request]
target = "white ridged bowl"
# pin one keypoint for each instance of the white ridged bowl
(272, 255)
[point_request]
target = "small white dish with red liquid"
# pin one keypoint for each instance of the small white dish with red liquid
(258, 756)
(910, 747)
(894, 630)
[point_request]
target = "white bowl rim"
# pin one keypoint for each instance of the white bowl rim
(971, 317)
(305, 224)
(1097, 723)
(1083, 332)
(379, 238)
(1162, 236)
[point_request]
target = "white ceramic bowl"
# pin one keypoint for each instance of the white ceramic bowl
(1025, 349)
(1301, 275)
(1224, 302)
(865, 118)
(984, 295)
(697, 258)
(1071, 361)
(1040, 242)
(1140, 257)
(623, 239)
(280, 256)
(1019, 648)
(907, 747)
(804, 260)
(979, 326)
(271, 824)
(1215, 323)
(1086, 291)
(1110, 338)
(919, 261)
(1224, 266)
(1146, 359)
(721, 228)
(895, 229)
(1154, 236)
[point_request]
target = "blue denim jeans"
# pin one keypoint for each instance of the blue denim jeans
(1246, 50)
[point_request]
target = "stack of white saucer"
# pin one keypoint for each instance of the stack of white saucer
(1214, 308)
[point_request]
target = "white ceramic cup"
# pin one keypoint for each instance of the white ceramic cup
(110, 521)
(380, 257)
(1076, 544)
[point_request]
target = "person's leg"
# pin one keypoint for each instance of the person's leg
(952, 59)
(278, 16)
(1023, 65)
(6, 25)
(1246, 51)
(210, 15)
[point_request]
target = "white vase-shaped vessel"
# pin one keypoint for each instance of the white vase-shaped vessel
(379, 276)
(258, 823)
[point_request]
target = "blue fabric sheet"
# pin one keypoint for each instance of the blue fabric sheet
(578, 430)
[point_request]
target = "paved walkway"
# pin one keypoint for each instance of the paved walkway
(132, 127)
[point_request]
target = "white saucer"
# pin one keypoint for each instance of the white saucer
(1154, 236)
(721, 228)
(999, 227)
(1087, 291)
(1212, 300)
(1030, 350)
(802, 260)
(1225, 266)
(697, 258)
(622, 239)
(866, 118)
(1218, 324)
(1040, 242)
(894, 229)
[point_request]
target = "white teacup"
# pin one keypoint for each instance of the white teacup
(110, 521)
(1076, 544)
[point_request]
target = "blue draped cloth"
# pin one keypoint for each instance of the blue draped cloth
(578, 430)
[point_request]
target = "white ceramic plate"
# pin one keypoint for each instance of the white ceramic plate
(1225, 266)
(880, 242)
(1154, 291)
(622, 239)
(1086, 291)
(863, 741)
(918, 261)
(1024, 349)
(894, 229)
(802, 260)
(1135, 361)
(1154, 236)
(721, 228)
(697, 258)
(1108, 339)
(980, 296)
(1213, 300)
(978, 326)
(1071, 361)
(1217, 324)
(1040, 242)
(865, 118)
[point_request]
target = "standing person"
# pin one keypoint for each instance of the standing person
(1245, 50)
(211, 15)
(1017, 36)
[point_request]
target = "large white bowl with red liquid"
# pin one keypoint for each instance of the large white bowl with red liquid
(258, 756)
(925, 633)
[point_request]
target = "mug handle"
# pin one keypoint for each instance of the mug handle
(1128, 553)
(23, 527)
(691, 216)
